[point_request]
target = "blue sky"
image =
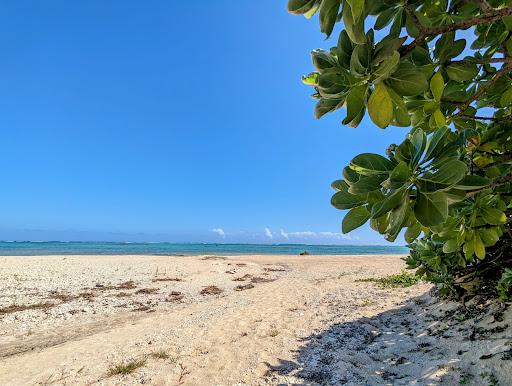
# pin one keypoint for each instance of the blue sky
(168, 121)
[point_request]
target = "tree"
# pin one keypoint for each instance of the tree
(448, 184)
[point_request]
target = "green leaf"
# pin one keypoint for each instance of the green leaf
(408, 81)
(355, 30)
(412, 232)
(461, 72)
(506, 97)
(311, 79)
(367, 184)
(469, 248)
(479, 247)
(359, 60)
(418, 141)
(399, 176)
(380, 106)
(370, 163)
(447, 175)
(385, 18)
(439, 118)
(354, 219)
(299, 7)
(437, 86)
(357, 8)
(493, 216)
(488, 236)
(328, 13)
(431, 209)
(389, 203)
(325, 106)
(451, 246)
(386, 67)
(355, 102)
(397, 219)
(350, 175)
(436, 143)
(472, 182)
(345, 48)
(345, 200)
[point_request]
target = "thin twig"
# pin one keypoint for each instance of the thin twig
(481, 61)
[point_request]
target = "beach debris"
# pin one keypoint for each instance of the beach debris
(167, 279)
(18, 308)
(86, 295)
(183, 373)
(122, 294)
(231, 271)
(162, 354)
(274, 269)
(63, 297)
(241, 264)
(257, 279)
(147, 291)
(213, 258)
(211, 290)
(141, 307)
(175, 296)
(243, 278)
(130, 284)
(304, 253)
(243, 287)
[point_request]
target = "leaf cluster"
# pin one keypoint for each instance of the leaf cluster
(447, 186)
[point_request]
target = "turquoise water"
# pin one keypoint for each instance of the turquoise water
(27, 248)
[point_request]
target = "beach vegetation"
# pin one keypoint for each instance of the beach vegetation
(402, 279)
(126, 367)
(443, 71)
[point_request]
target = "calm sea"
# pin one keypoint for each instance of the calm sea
(27, 248)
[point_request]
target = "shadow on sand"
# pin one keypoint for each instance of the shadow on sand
(396, 347)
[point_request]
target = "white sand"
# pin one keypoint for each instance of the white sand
(313, 324)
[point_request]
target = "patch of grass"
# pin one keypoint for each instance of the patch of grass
(127, 367)
(402, 279)
(490, 378)
(366, 302)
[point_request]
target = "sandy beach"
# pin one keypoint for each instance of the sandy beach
(237, 320)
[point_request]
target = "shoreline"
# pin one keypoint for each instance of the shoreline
(221, 320)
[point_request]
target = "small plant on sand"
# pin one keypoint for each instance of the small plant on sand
(447, 186)
(403, 279)
(126, 367)
(273, 332)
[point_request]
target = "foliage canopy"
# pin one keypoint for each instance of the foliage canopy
(448, 184)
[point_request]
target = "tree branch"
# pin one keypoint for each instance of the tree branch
(503, 71)
(482, 60)
(482, 118)
(488, 17)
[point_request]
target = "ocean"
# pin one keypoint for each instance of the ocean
(31, 248)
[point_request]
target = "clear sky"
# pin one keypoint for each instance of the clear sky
(168, 121)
